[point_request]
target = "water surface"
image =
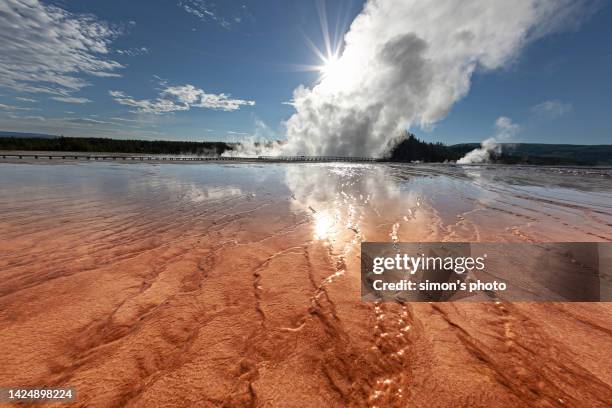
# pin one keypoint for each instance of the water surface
(238, 284)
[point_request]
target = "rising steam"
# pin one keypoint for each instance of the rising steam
(505, 131)
(405, 63)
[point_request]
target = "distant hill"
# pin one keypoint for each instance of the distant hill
(26, 135)
(410, 148)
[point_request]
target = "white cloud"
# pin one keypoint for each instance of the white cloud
(552, 108)
(71, 99)
(206, 11)
(181, 98)
(157, 106)
(161, 81)
(89, 121)
(124, 119)
(506, 129)
(47, 49)
(406, 63)
(14, 108)
(28, 118)
(198, 8)
(19, 98)
(132, 52)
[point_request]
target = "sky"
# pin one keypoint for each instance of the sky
(227, 70)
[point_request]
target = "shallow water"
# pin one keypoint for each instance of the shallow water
(211, 284)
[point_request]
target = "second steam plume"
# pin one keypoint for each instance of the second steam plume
(405, 63)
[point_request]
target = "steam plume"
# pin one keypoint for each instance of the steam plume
(406, 62)
(505, 132)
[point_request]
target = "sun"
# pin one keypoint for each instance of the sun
(330, 67)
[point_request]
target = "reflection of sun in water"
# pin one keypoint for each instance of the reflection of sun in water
(324, 225)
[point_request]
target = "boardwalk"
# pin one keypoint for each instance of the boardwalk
(271, 159)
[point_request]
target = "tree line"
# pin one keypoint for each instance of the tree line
(406, 148)
(99, 145)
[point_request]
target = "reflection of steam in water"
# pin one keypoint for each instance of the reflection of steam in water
(214, 193)
(349, 200)
(194, 193)
(452, 203)
(350, 204)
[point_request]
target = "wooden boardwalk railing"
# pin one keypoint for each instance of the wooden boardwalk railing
(273, 159)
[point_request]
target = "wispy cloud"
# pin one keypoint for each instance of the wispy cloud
(157, 106)
(15, 108)
(89, 121)
(41, 118)
(161, 81)
(19, 98)
(552, 108)
(125, 120)
(207, 11)
(202, 10)
(181, 98)
(47, 49)
(28, 118)
(132, 52)
(71, 99)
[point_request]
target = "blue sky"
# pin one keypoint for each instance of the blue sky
(204, 70)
